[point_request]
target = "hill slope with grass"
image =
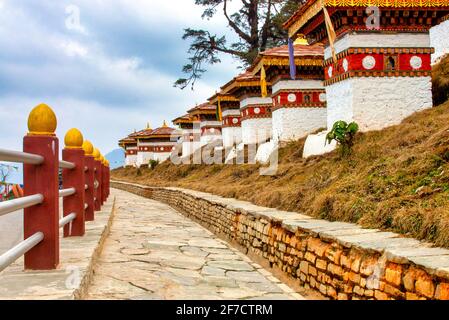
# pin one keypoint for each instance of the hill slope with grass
(396, 179)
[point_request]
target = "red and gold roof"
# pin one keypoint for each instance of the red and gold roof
(246, 79)
(312, 8)
(202, 109)
(223, 97)
(305, 55)
(182, 119)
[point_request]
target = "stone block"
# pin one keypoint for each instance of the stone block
(379, 295)
(331, 292)
(412, 296)
(335, 269)
(333, 255)
(313, 271)
(323, 289)
(321, 264)
(442, 292)
(342, 296)
(358, 290)
(304, 267)
(393, 291)
(354, 277)
(424, 285)
(368, 266)
(310, 257)
(393, 274)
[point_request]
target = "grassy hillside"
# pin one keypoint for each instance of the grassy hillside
(396, 179)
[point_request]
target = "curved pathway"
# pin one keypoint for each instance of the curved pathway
(153, 252)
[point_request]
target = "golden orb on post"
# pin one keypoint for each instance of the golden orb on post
(96, 154)
(42, 121)
(73, 139)
(88, 148)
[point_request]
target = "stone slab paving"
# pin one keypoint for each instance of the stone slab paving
(154, 252)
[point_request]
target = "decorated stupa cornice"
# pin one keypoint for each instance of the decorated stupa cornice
(202, 109)
(223, 97)
(312, 8)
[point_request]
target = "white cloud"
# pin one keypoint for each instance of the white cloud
(89, 85)
(73, 49)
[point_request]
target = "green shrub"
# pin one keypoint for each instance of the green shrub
(343, 134)
(153, 164)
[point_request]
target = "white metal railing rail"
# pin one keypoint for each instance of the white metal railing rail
(67, 219)
(21, 157)
(20, 203)
(67, 192)
(19, 250)
(66, 165)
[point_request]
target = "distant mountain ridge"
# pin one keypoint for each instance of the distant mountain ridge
(116, 158)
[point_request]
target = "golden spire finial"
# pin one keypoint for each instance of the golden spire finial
(96, 154)
(73, 139)
(301, 40)
(42, 121)
(164, 125)
(148, 126)
(88, 148)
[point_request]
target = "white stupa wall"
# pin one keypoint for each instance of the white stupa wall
(189, 147)
(376, 40)
(130, 160)
(208, 138)
(439, 39)
(376, 103)
(295, 123)
(161, 156)
(143, 158)
(231, 136)
(256, 130)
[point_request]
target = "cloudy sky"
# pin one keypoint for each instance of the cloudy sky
(106, 67)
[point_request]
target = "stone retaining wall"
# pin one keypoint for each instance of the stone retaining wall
(340, 260)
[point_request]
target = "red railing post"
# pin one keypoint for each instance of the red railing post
(74, 178)
(90, 180)
(104, 177)
(98, 175)
(108, 179)
(42, 179)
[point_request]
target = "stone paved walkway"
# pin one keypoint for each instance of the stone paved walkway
(153, 252)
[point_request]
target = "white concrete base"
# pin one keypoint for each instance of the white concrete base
(256, 130)
(439, 39)
(143, 158)
(295, 123)
(264, 151)
(376, 103)
(189, 147)
(206, 139)
(316, 145)
(161, 156)
(231, 136)
(231, 156)
(130, 160)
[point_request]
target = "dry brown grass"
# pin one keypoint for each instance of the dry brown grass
(440, 81)
(396, 179)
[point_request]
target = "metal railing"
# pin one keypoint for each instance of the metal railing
(66, 165)
(20, 203)
(10, 256)
(67, 192)
(22, 157)
(67, 219)
(42, 207)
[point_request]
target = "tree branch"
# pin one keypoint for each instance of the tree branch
(233, 25)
